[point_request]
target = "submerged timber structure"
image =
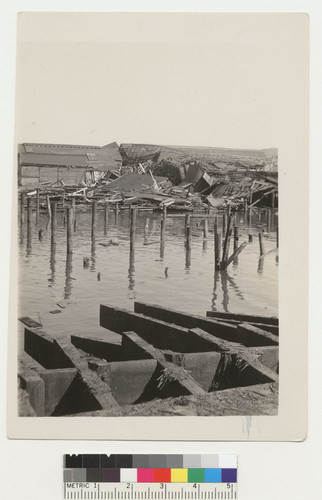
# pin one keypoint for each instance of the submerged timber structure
(166, 363)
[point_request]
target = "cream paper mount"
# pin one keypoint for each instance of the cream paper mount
(235, 81)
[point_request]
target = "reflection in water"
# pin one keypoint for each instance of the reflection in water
(261, 260)
(260, 267)
(188, 258)
(142, 275)
(214, 294)
(225, 295)
(131, 270)
(235, 287)
(225, 279)
(29, 238)
(68, 276)
(93, 253)
(52, 263)
(162, 250)
(22, 230)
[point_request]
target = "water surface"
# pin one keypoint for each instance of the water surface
(168, 275)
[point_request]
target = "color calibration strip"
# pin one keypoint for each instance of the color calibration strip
(150, 468)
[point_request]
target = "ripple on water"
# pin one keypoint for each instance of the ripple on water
(46, 278)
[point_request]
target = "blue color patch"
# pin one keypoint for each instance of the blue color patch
(212, 475)
(229, 475)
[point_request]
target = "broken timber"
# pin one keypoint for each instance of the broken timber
(243, 334)
(175, 375)
(87, 387)
(162, 354)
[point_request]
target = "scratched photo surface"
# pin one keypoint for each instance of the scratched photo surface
(160, 160)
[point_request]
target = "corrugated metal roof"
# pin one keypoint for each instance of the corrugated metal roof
(54, 160)
(58, 148)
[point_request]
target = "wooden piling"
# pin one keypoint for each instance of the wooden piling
(250, 238)
(269, 220)
(249, 217)
(205, 228)
(162, 230)
(29, 210)
(226, 249)
(106, 216)
(226, 242)
(94, 213)
(236, 237)
(146, 229)
(37, 206)
(216, 225)
(188, 237)
(261, 244)
(70, 230)
(163, 223)
(217, 251)
(48, 205)
(187, 223)
(74, 206)
(132, 228)
(116, 211)
(53, 211)
(22, 208)
(224, 224)
(234, 256)
(164, 213)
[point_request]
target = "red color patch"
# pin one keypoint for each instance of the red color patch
(162, 476)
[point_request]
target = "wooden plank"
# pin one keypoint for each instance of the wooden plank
(247, 328)
(160, 334)
(225, 331)
(269, 328)
(30, 322)
(100, 348)
(251, 318)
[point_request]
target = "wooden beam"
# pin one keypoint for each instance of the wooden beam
(251, 318)
(226, 331)
(175, 373)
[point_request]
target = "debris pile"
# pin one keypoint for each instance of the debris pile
(151, 177)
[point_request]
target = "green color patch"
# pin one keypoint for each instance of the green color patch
(196, 475)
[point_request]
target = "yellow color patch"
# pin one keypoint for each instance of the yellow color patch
(179, 475)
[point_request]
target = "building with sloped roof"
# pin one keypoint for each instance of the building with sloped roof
(49, 163)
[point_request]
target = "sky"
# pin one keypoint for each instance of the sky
(203, 80)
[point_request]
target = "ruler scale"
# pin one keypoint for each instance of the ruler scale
(150, 477)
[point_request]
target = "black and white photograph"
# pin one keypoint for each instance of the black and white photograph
(155, 185)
